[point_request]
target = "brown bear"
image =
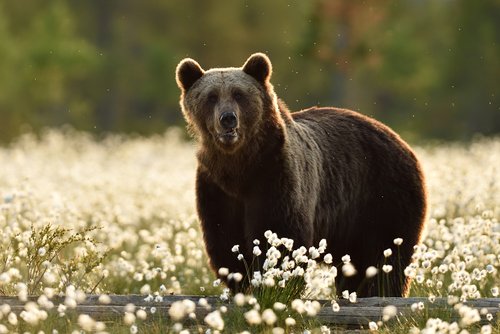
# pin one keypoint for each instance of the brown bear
(320, 173)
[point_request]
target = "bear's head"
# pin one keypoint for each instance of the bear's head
(226, 106)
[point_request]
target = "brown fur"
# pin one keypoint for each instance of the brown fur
(318, 173)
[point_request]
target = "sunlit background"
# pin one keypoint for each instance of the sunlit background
(429, 69)
(93, 208)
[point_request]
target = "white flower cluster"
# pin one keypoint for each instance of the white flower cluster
(139, 191)
(283, 263)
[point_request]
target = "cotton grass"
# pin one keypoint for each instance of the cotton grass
(132, 200)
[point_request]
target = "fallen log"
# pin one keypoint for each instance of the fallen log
(357, 314)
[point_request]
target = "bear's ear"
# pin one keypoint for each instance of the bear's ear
(187, 73)
(258, 66)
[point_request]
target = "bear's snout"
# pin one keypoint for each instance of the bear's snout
(228, 120)
(227, 129)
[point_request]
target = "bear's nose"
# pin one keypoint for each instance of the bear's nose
(228, 120)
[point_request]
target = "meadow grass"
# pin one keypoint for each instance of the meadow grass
(116, 216)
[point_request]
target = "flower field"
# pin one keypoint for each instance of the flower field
(116, 216)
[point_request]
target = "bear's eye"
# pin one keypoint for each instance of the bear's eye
(213, 98)
(238, 96)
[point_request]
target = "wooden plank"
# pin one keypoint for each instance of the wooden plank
(350, 314)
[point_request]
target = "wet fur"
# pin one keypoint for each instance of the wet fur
(318, 173)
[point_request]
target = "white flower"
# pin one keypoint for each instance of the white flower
(312, 307)
(486, 329)
(253, 317)
(386, 268)
(141, 314)
(44, 302)
(237, 277)
(216, 282)
(256, 251)
(389, 312)
(12, 319)
(134, 329)
(328, 258)
(104, 299)
(348, 269)
(70, 302)
(240, 257)
(352, 297)
(298, 271)
(468, 315)
(346, 258)
(179, 309)
(335, 306)
(239, 299)
(298, 305)
(387, 252)
(22, 291)
(225, 294)
(398, 241)
(203, 302)
(42, 251)
(288, 243)
(145, 289)
(128, 318)
(414, 307)
(313, 252)
(325, 330)
(5, 309)
(269, 317)
(223, 271)
(278, 330)
(268, 234)
(61, 309)
(494, 291)
(279, 306)
(256, 242)
(235, 249)
(290, 322)
(373, 326)
(215, 320)
(371, 271)
(86, 322)
(4, 278)
(269, 281)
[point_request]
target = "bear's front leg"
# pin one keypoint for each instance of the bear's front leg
(279, 215)
(221, 217)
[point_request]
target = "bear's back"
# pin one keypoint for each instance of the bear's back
(343, 131)
(368, 165)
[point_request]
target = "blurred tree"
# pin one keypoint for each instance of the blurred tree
(472, 74)
(43, 66)
(427, 68)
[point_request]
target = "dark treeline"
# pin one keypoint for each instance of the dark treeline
(430, 69)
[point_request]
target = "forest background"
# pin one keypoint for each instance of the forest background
(429, 69)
